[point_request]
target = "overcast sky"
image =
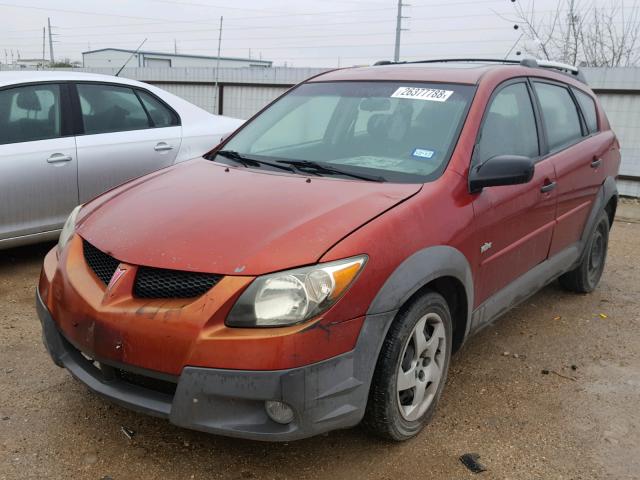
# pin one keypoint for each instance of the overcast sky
(300, 33)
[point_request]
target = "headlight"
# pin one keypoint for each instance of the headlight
(291, 297)
(69, 228)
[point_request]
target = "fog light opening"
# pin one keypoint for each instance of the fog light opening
(279, 412)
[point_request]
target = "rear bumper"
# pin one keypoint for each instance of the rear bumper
(325, 396)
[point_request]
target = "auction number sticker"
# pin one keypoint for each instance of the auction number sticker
(431, 94)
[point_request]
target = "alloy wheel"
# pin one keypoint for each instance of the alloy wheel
(421, 366)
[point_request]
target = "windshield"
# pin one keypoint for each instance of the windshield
(397, 131)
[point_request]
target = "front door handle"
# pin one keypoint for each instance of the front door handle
(59, 158)
(596, 162)
(546, 188)
(162, 147)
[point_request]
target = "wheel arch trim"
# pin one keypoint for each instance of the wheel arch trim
(607, 191)
(420, 269)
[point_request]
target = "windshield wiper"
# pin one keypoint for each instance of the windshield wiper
(250, 162)
(309, 166)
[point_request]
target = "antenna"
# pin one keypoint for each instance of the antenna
(215, 101)
(130, 57)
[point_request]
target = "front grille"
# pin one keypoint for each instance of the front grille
(102, 264)
(107, 373)
(162, 283)
(150, 383)
(152, 282)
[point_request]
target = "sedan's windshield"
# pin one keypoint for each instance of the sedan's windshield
(395, 131)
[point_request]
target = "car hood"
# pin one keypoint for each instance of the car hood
(202, 216)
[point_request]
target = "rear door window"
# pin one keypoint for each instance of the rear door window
(588, 107)
(509, 126)
(29, 113)
(560, 115)
(160, 114)
(110, 108)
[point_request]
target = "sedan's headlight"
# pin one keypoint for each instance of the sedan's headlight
(69, 228)
(291, 297)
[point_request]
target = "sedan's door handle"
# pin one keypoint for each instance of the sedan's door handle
(548, 187)
(596, 162)
(59, 158)
(162, 147)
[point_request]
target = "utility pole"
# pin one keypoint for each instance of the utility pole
(175, 46)
(215, 101)
(44, 35)
(50, 41)
(396, 53)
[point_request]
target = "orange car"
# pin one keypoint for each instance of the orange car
(321, 265)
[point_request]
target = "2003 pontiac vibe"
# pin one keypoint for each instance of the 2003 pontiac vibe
(319, 267)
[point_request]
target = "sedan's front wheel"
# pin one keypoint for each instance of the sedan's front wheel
(411, 370)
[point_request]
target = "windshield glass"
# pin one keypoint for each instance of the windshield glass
(398, 131)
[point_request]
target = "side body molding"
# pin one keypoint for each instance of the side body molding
(418, 270)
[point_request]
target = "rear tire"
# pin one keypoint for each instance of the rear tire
(411, 370)
(585, 277)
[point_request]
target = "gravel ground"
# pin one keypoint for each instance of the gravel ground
(579, 421)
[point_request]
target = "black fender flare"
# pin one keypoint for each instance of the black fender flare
(419, 269)
(607, 191)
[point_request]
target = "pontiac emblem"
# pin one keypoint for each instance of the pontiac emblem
(117, 275)
(486, 246)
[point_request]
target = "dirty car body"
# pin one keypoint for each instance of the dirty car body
(322, 264)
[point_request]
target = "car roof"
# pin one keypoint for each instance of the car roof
(469, 73)
(30, 76)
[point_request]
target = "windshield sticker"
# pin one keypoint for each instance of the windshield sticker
(431, 94)
(423, 153)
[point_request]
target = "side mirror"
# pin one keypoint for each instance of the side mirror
(501, 170)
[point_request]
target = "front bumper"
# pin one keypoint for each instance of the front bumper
(325, 396)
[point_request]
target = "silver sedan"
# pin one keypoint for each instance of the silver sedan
(66, 137)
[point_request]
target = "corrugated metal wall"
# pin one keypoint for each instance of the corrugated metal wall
(200, 95)
(623, 111)
(244, 102)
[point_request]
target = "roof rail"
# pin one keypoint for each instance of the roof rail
(567, 69)
(449, 60)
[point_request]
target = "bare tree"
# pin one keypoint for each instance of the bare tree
(579, 32)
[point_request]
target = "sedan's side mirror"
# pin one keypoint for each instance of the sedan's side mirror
(501, 170)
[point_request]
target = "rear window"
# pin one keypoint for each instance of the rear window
(588, 107)
(109, 108)
(401, 131)
(561, 120)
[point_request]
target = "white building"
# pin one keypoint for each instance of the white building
(29, 63)
(116, 57)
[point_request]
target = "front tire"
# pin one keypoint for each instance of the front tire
(586, 276)
(411, 370)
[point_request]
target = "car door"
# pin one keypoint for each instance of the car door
(38, 164)
(576, 158)
(126, 133)
(514, 223)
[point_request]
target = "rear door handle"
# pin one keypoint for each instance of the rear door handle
(548, 187)
(596, 162)
(162, 147)
(59, 158)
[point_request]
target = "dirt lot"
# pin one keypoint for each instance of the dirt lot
(579, 421)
